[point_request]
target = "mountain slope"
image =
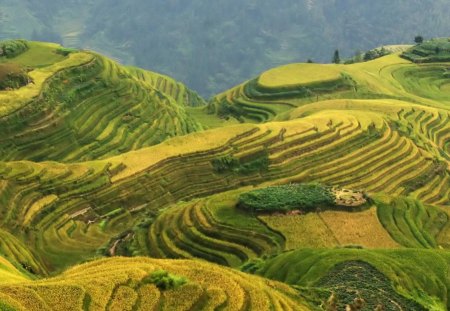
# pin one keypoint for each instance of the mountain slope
(83, 106)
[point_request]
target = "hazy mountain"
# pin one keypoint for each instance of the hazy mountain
(212, 45)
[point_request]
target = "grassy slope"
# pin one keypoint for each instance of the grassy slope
(418, 274)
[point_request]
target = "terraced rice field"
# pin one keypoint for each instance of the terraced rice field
(332, 229)
(120, 284)
(98, 159)
(413, 273)
(88, 107)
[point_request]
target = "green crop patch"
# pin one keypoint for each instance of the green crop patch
(431, 51)
(12, 48)
(305, 197)
(164, 280)
(228, 163)
(411, 223)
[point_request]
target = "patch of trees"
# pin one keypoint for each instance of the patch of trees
(285, 198)
(434, 50)
(12, 48)
(228, 163)
(165, 280)
(374, 54)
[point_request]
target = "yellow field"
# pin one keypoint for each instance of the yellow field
(330, 229)
(139, 160)
(119, 284)
(302, 231)
(298, 74)
(362, 228)
(9, 274)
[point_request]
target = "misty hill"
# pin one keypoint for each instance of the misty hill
(213, 45)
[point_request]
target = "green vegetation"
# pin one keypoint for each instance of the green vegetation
(411, 277)
(37, 55)
(164, 280)
(12, 48)
(92, 110)
(6, 307)
(336, 57)
(210, 229)
(12, 77)
(431, 51)
(305, 197)
(228, 163)
(412, 224)
(374, 54)
(365, 289)
(65, 51)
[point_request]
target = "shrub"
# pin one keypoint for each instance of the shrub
(435, 50)
(374, 54)
(306, 197)
(12, 76)
(5, 307)
(225, 163)
(164, 280)
(65, 51)
(228, 163)
(12, 48)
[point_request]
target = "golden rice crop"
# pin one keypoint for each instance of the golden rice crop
(124, 299)
(297, 74)
(302, 230)
(116, 284)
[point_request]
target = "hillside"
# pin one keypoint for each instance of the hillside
(332, 179)
(138, 284)
(80, 105)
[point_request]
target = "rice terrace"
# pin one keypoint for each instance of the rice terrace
(309, 187)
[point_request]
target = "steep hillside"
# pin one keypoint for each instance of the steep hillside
(333, 179)
(375, 276)
(82, 106)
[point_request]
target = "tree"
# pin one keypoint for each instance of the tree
(369, 55)
(336, 58)
(358, 57)
(418, 39)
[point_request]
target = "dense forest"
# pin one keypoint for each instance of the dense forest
(212, 45)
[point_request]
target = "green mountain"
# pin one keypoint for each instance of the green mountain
(242, 38)
(308, 187)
